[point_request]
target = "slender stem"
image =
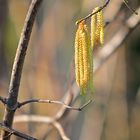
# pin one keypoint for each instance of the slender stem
(130, 8)
(44, 120)
(61, 131)
(102, 7)
(53, 102)
(17, 66)
(88, 16)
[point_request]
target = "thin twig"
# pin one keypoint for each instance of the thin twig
(33, 118)
(42, 119)
(102, 7)
(130, 8)
(18, 64)
(15, 132)
(68, 100)
(53, 102)
(61, 131)
(86, 104)
(88, 16)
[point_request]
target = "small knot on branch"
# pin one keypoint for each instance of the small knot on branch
(12, 107)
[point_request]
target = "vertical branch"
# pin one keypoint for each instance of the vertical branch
(17, 66)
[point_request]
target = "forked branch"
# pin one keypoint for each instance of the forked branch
(16, 133)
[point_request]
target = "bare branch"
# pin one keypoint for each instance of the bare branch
(42, 119)
(60, 130)
(88, 16)
(130, 8)
(53, 102)
(68, 100)
(86, 104)
(15, 132)
(102, 7)
(33, 118)
(18, 64)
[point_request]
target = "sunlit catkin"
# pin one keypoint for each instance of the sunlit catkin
(92, 30)
(79, 70)
(85, 44)
(101, 26)
(102, 35)
(77, 67)
(99, 34)
(97, 28)
(82, 63)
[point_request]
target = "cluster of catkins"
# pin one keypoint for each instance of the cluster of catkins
(84, 43)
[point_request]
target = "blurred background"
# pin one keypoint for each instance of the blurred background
(115, 113)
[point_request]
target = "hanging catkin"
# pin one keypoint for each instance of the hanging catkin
(100, 26)
(93, 22)
(79, 69)
(77, 65)
(83, 58)
(97, 28)
(84, 44)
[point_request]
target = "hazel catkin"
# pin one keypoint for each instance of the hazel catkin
(92, 30)
(82, 64)
(100, 27)
(97, 28)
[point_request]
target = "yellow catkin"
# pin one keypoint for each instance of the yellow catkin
(90, 61)
(97, 28)
(77, 67)
(85, 57)
(82, 63)
(100, 19)
(93, 22)
(99, 34)
(102, 34)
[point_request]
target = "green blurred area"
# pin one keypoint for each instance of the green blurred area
(115, 114)
(10, 41)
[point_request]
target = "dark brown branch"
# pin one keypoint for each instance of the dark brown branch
(16, 133)
(18, 64)
(53, 102)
